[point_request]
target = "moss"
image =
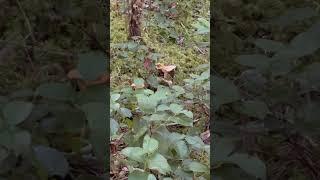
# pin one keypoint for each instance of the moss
(185, 57)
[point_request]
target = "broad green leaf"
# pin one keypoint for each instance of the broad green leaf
(115, 97)
(252, 165)
(139, 82)
(174, 137)
(52, 160)
(195, 166)
(195, 142)
(178, 90)
(222, 147)
(126, 112)
(150, 145)
(159, 163)
(91, 65)
(114, 127)
(134, 153)
(254, 108)
(96, 116)
(189, 114)
(310, 77)
(17, 140)
(176, 108)
(181, 119)
(202, 25)
(151, 177)
(260, 62)
(294, 15)
(96, 93)
(268, 45)
(146, 104)
(181, 148)
(56, 91)
(138, 175)
(307, 43)
(163, 107)
(16, 111)
(225, 92)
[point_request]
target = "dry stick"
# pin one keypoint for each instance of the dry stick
(31, 34)
(27, 21)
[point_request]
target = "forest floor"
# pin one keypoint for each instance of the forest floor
(171, 41)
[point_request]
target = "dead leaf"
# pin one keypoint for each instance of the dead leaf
(74, 74)
(147, 64)
(205, 136)
(164, 68)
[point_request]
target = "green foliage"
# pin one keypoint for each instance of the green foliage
(273, 92)
(156, 149)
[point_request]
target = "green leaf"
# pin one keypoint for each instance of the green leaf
(294, 15)
(189, 114)
(134, 153)
(268, 45)
(96, 93)
(151, 177)
(91, 65)
(138, 175)
(159, 163)
(146, 104)
(178, 90)
(163, 107)
(257, 61)
(96, 116)
(52, 160)
(181, 148)
(252, 165)
(225, 92)
(202, 25)
(56, 91)
(182, 120)
(139, 82)
(17, 111)
(115, 97)
(195, 166)
(114, 127)
(176, 108)
(17, 140)
(307, 42)
(254, 108)
(126, 112)
(150, 145)
(195, 142)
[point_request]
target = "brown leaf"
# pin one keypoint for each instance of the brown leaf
(165, 68)
(205, 136)
(147, 63)
(74, 74)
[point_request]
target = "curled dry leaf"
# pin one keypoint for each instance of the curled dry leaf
(164, 68)
(205, 136)
(74, 74)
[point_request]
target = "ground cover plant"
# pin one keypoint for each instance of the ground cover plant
(53, 90)
(160, 90)
(266, 90)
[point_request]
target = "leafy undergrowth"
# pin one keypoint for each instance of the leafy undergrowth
(266, 90)
(48, 127)
(160, 126)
